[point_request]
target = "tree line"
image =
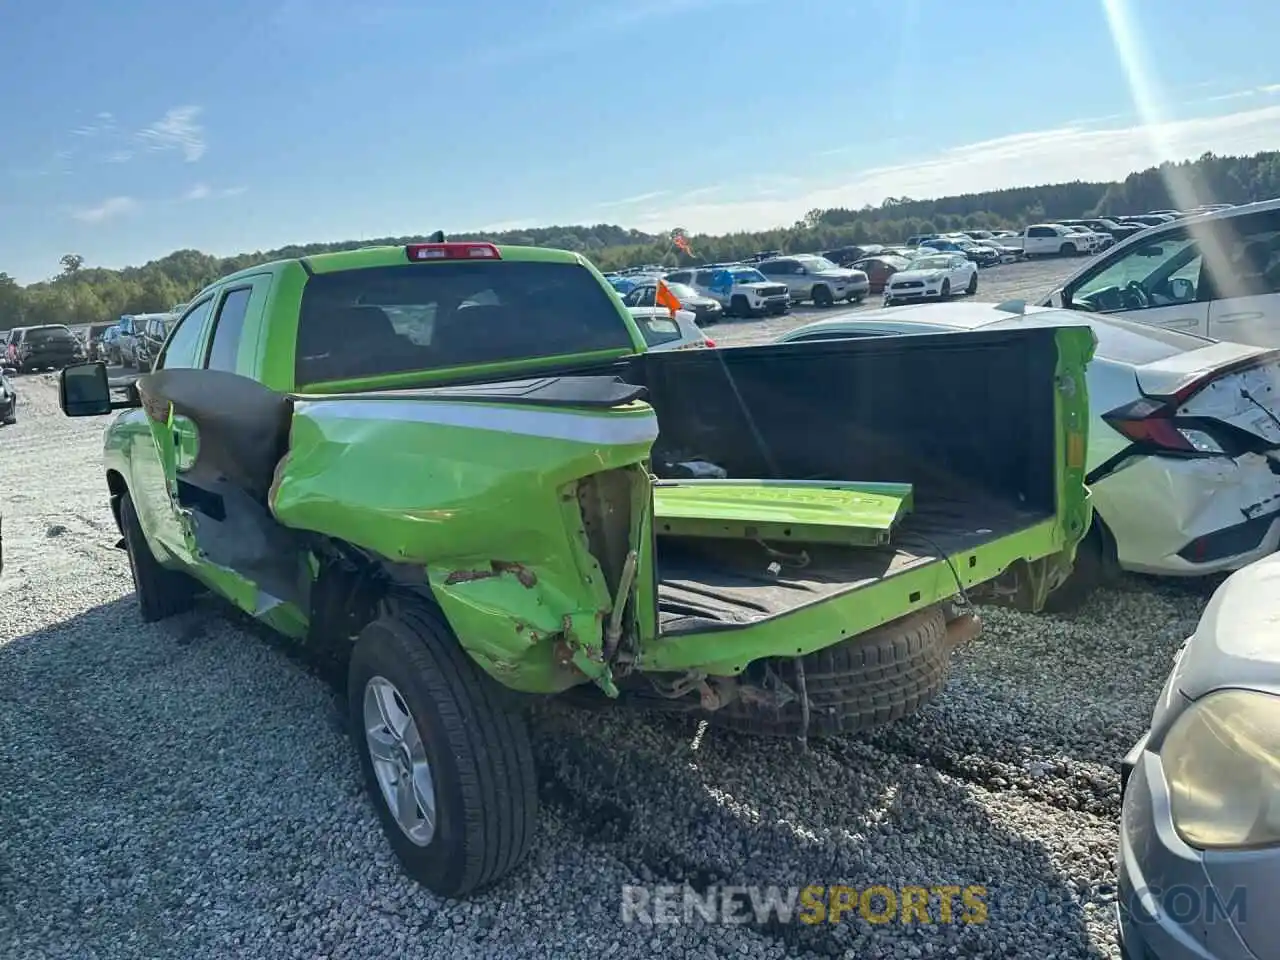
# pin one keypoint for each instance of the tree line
(79, 293)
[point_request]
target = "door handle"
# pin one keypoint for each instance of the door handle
(1233, 317)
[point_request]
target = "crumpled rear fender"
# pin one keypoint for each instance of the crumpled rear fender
(486, 497)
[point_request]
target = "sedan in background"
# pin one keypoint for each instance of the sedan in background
(704, 309)
(932, 277)
(662, 331)
(879, 269)
(1168, 416)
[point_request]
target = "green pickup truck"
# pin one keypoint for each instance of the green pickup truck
(456, 465)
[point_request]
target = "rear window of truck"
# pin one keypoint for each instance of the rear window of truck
(376, 321)
(49, 335)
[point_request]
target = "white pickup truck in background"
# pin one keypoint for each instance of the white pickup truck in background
(1053, 239)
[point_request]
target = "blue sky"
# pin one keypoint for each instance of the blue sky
(131, 129)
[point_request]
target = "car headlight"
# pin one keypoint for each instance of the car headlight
(1222, 762)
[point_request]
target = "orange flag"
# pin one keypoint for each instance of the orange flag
(665, 298)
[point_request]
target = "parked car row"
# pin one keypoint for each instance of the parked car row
(45, 347)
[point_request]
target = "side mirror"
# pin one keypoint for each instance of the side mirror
(84, 391)
(1182, 289)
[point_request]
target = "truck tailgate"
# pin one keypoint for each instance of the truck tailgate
(804, 512)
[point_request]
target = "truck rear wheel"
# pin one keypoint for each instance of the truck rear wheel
(864, 682)
(446, 757)
(161, 592)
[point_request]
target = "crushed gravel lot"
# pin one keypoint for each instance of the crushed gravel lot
(185, 789)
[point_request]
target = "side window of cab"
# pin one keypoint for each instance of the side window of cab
(184, 347)
(228, 329)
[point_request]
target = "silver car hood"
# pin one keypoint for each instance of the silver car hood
(1237, 642)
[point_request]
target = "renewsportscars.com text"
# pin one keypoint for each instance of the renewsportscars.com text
(813, 904)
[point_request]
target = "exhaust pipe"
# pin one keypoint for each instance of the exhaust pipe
(963, 629)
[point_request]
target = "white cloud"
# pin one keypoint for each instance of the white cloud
(1072, 152)
(119, 156)
(202, 191)
(108, 209)
(638, 198)
(102, 123)
(178, 129)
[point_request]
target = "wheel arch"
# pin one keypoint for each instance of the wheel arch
(117, 487)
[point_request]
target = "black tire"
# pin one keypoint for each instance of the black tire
(946, 289)
(972, 288)
(1095, 566)
(821, 296)
(864, 682)
(161, 592)
(1067, 249)
(476, 742)
(890, 302)
(738, 306)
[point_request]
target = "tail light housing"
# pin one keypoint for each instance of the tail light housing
(461, 250)
(1152, 424)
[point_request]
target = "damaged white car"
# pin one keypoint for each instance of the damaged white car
(1184, 445)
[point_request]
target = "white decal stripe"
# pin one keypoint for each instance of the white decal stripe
(526, 421)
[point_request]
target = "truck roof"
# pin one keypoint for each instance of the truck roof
(393, 255)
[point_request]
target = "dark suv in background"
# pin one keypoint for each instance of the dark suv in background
(49, 347)
(150, 339)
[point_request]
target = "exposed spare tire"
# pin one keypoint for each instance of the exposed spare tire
(869, 680)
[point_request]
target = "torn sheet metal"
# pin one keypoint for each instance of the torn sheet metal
(1248, 400)
(482, 496)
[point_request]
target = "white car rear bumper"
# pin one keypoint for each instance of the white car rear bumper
(1175, 517)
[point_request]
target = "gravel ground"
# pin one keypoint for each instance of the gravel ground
(184, 789)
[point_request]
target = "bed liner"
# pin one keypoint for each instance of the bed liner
(708, 584)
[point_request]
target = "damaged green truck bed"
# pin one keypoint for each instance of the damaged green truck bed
(456, 466)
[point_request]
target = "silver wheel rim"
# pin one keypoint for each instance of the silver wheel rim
(399, 760)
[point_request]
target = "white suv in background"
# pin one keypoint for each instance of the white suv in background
(810, 277)
(743, 291)
(1217, 274)
(1095, 241)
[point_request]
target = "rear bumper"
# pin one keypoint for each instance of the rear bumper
(49, 360)
(1175, 517)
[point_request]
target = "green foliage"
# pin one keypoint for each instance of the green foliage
(83, 294)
